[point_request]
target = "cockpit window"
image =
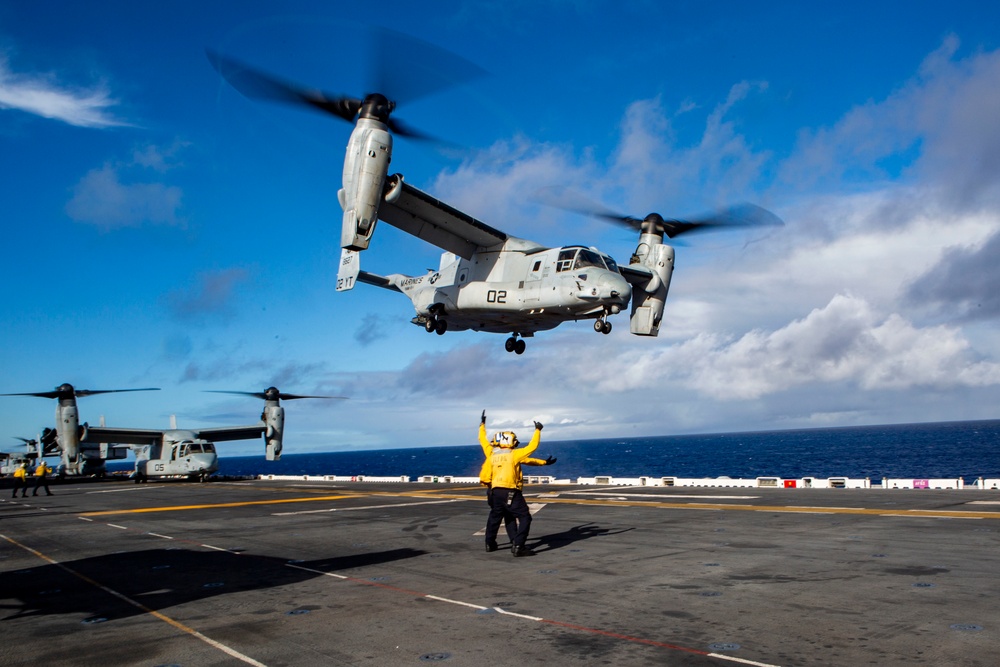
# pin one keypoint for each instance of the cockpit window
(209, 448)
(587, 258)
(611, 263)
(565, 261)
(195, 448)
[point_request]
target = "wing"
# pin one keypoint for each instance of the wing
(232, 432)
(123, 436)
(423, 216)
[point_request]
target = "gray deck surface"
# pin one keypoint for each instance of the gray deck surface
(297, 573)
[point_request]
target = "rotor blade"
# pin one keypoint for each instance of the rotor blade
(77, 392)
(403, 130)
(264, 394)
(91, 392)
(742, 215)
(254, 83)
(558, 196)
(405, 68)
(292, 397)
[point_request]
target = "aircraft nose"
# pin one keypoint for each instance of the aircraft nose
(209, 462)
(613, 285)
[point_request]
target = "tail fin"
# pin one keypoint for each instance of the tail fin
(350, 266)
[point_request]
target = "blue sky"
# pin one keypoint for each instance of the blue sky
(162, 230)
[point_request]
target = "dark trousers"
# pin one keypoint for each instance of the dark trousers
(20, 484)
(40, 482)
(509, 524)
(508, 503)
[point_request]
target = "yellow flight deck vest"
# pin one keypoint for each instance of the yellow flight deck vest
(506, 463)
(42, 470)
(20, 473)
(486, 471)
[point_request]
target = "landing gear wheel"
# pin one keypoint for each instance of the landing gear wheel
(440, 326)
(606, 329)
(510, 344)
(429, 325)
(599, 326)
(519, 347)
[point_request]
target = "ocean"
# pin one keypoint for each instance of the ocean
(934, 450)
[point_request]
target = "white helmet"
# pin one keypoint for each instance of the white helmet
(506, 439)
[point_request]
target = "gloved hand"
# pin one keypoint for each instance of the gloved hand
(549, 461)
(538, 426)
(482, 420)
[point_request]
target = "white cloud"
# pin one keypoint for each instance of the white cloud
(103, 200)
(39, 95)
(940, 127)
(117, 195)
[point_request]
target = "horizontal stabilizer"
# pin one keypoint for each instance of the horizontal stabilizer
(377, 281)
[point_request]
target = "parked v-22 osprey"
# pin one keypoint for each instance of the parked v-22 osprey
(487, 280)
(173, 452)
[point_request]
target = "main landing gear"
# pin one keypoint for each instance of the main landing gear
(435, 324)
(514, 345)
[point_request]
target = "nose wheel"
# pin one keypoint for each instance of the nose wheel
(602, 325)
(515, 345)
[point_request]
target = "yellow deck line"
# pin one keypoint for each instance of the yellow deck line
(473, 494)
(916, 513)
(245, 503)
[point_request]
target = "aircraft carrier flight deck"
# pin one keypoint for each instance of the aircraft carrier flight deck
(285, 572)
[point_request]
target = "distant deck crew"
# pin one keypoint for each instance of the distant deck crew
(20, 480)
(505, 481)
(42, 472)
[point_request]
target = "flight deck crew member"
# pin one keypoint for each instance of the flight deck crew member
(486, 479)
(42, 478)
(505, 497)
(21, 480)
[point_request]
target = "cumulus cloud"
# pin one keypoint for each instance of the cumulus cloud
(103, 200)
(939, 127)
(498, 185)
(117, 195)
(653, 167)
(964, 284)
(41, 95)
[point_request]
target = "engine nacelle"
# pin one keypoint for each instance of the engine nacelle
(648, 300)
(274, 422)
(68, 429)
(365, 167)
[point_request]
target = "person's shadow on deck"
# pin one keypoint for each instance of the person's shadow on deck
(574, 534)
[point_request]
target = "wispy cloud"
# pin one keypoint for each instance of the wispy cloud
(211, 297)
(41, 95)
